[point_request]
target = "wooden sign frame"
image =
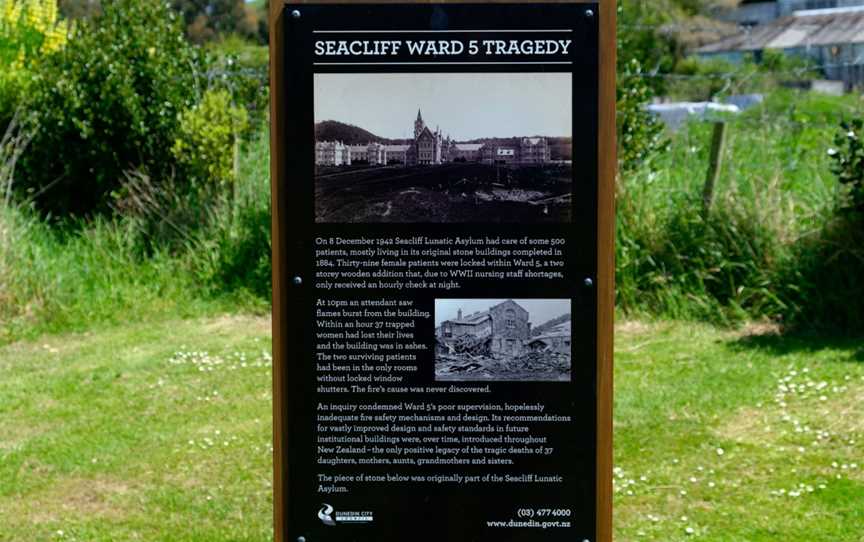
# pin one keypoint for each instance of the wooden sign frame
(283, 282)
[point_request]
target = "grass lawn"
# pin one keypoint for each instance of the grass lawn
(728, 437)
(162, 432)
(145, 432)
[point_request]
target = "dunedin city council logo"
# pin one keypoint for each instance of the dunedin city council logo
(326, 515)
(330, 517)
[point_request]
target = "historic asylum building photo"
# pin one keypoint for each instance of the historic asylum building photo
(436, 148)
(505, 327)
(499, 343)
(433, 148)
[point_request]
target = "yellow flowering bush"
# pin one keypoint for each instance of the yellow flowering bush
(29, 31)
(28, 27)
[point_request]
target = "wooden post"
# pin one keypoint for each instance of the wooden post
(715, 162)
(607, 161)
(279, 275)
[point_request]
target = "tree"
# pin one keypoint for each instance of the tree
(207, 19)
(264, 22)
(848, 162)
(80, 9)
(109, 102)
(642, 51)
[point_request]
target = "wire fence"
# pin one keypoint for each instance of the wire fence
(805, 70)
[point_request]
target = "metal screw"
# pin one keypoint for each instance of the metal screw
(296, 15)
(588, 282)
(589, 13)
(298, 281)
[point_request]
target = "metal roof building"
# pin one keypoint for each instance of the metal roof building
(755, 12)
(831, 38)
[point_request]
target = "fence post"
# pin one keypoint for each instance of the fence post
(718, 142)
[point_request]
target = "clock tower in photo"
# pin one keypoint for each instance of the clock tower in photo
(418, 125)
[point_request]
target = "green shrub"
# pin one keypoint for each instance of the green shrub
(208, 20)
(642, 37)
(110, 102)
(823, 282)
(206, 131)
(56, 279)
(700, 79)
(848, 166)
(640, 134)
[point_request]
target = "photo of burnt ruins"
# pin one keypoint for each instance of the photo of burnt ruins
(499, 150)
(500, 342)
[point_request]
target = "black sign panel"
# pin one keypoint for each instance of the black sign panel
(440, 188)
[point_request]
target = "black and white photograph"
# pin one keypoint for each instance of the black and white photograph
(502, 339)
(443, 147)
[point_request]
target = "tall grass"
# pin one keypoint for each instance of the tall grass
(51, 280)
(99, 272)
(233, 254)
(764, 241)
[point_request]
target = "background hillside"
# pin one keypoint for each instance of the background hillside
(331, 130)
(539, 330)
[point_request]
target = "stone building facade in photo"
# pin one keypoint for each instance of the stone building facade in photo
(332, 153)
(505, 326)
(429, 148)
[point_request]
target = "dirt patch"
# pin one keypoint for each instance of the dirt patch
(15, 436)
(91, 497)
(838, 414)
(747, 426)
(42, 350)
(846, 410)
(228, 323)
(761, 329)
(634, 327)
